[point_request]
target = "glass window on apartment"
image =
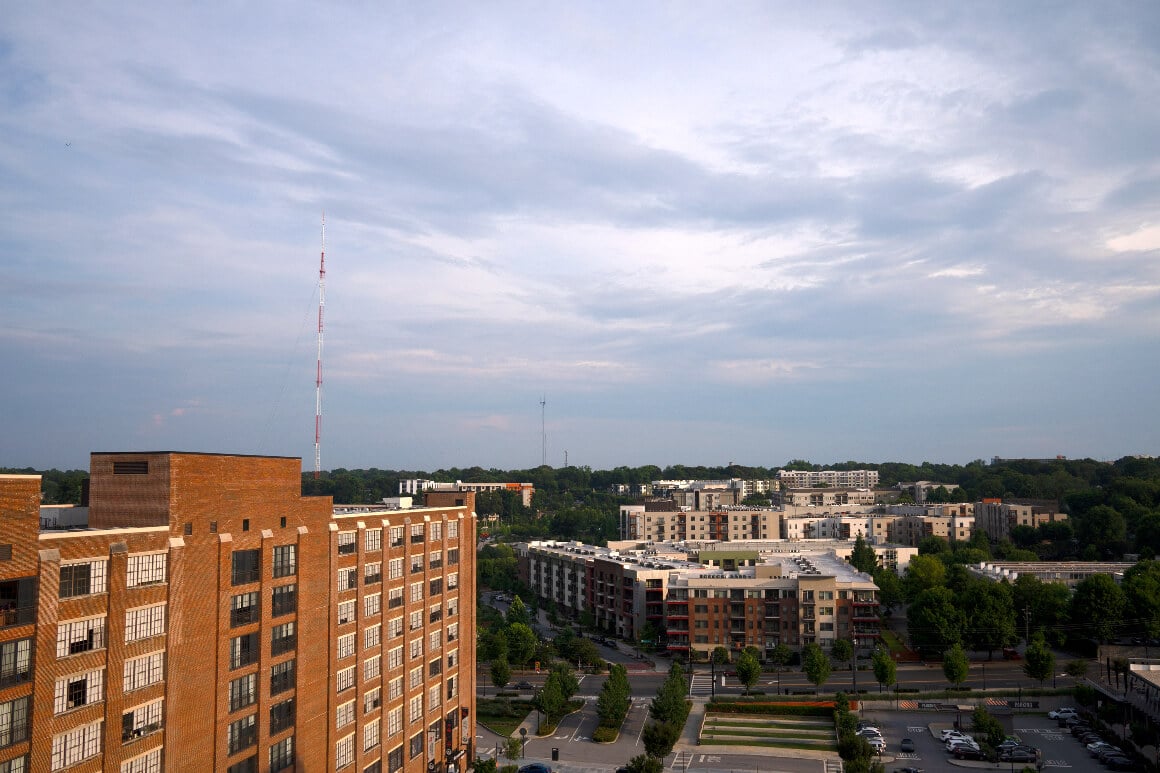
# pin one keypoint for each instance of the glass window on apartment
(372, 636)
(285, 600)
(450, 687)
(144, 622)
(395, 628)
(243, 650)
(74, 636)
(281, 677)
(434, 694)
(395, 758)
(346, 612)
(373, 573)
(453, 529)
(146, 569)
(372, 604)
(436, 586)
(245, 566)
(396, 536)
(285, 560)
(416, 533)
(149, 762)
(453, 557)
(281, 716)
(244, 608)
(78, 690)
(83, 579)
(416, 591)
(345, 645)
(453, 581)
(416, 619)
(243, 691)
(348, 578)
(372, 667)
(344, 752)
(452, 658)
(282, 754)
(370, 735)
(143, 671)
(395, 658)
(436, 559)
(434, 641)
(396, 568)
(76, 745)
(15, 662)
(344, 714)
(372, 699)
(347, 543)
(373, 539)
(141, 720)
(415, 677)
(395, 688)
(283, 638)
(436, 531)
(242, 733)
(344, 680)
(417, 647)
(416, 563)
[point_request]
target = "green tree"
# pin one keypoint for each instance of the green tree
(885, 669)
(501, 673)
(1142, 595)
(518, 613)
(748, 670)
(669, 705)
(890, 593)
(923, 573)
(1076, 669)
(992, 619)
(955, 665)
(485, 766)
(1038, 660)
(521, 643)
(1097, 606)
(986, 726)
(658, 738)
(551, 701)
(615, 698)
(779, 656)
(816, 664)
(643, 763)
(842, 651)
(862, 557)
(720, 656)
(1101, 526)
(513, 748)
(934, 621)
(933, 546)
(493, 645)
(566, 678)
(585, 651)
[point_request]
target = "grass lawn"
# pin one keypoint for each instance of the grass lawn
(502, 715)
(833, 747)
(893, 642)
(750, 733)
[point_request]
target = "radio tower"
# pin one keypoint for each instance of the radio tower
(318, 376)
(543, 434)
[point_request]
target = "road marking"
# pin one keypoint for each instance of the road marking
(908, 756)
(916, 730)
(1056, 764)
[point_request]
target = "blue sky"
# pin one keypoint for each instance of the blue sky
(706, 233)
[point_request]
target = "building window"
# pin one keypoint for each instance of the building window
(417, 648)
(243, 650)
(373, 573)
(345, 679)
(416, 620)
(416, 533)
(416, 563)
(434, 641)
(436, 614)
(243, 691)
(285, 600)
(78, 690)
(149, 762)
(80, 636)
(242, 733)
(452, 632)
(415, 677)
(373, 539)
(453, 581)
(283, 638)
(348, 578)
(144, 622)
(395, 688)
(395, 566)
(372, 700)
(83, 579)
(436, 586)
(14, 721)
(371, 735)
(345, 645)
(395, 598)
(433, 695)
(248, 765)
(147, 569)
(436, 559)
(344, 752)
(453, 557)
(346, 612)
(436, 532)
(372, 636)
(416, 744)
(76, 745)
(395, 628)
(281, 716)
(244, 609)
(374, 767)
(372, 604)
(281, 677)
(452, 658)
(395, 658)
(246, 566)
(142, 720)
(372, 667)
(453, 529)
(395, 758)
(282, 754)
(415, 709)
(435, 667)
(347, 543)
(416, 592)
(15, 662)
(143, 671)
(285, 560)
(344, 715)
(450, 687)
(396, 536)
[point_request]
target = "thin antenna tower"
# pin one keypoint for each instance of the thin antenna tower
(318, 376)
(543, 433)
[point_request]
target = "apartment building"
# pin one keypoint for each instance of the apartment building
(416, 486)
(997, 517)
(640, 522)
(828, 497)
(253, 629)
(843, 478)
(717, 595)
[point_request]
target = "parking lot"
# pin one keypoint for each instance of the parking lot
(1059, 749)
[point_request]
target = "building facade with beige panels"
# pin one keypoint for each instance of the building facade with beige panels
(211, 618)
(638, 523)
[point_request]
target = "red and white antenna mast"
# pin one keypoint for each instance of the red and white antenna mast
(318, 377)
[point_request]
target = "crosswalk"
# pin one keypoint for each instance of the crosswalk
(681, 761)
(833, 766)
(702, 684)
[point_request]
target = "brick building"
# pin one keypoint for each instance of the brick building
(253, 629)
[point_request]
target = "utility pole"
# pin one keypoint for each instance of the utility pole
(1027, 625)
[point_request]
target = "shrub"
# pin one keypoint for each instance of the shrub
(604, 734)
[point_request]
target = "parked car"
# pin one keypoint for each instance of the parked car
(946, 735)
(1095, 746)
(878, 743)
(1017, 755)
(535, 767)
(906, 745)
(525, 686)
(955, 744)
(1063, 713)
(908, 770)
(1089, 738)
(1119, 762)
(1111, 751)
(967, 753)
(869, 730)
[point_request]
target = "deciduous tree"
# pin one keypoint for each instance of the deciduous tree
(1038, 659)
(955, 665)
(816, 664)
(748, 670)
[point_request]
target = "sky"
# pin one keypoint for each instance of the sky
(651, 233)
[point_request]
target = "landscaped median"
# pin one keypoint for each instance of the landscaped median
(785, 725)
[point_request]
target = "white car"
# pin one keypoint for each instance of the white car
(1064, 713)
(947, 735)
(955, 743)
(870, 731)
(877, 742)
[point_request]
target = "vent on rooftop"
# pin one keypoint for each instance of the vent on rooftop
(131, 468)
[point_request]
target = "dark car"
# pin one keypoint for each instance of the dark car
(1078, 730)
(1017, 755)
(907, 745)
(908, 770)
(525, 686)
(967, 753)
(1119, 762)
(535, 767)
(1103, 754)
(1087, 738)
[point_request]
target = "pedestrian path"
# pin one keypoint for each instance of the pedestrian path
(702, 685)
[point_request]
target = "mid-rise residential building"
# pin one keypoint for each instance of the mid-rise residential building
(253, 629)
(700, 596)
(646, 523)
(416, 486)
(1069, 573)
(997, 517)
(841, 478)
